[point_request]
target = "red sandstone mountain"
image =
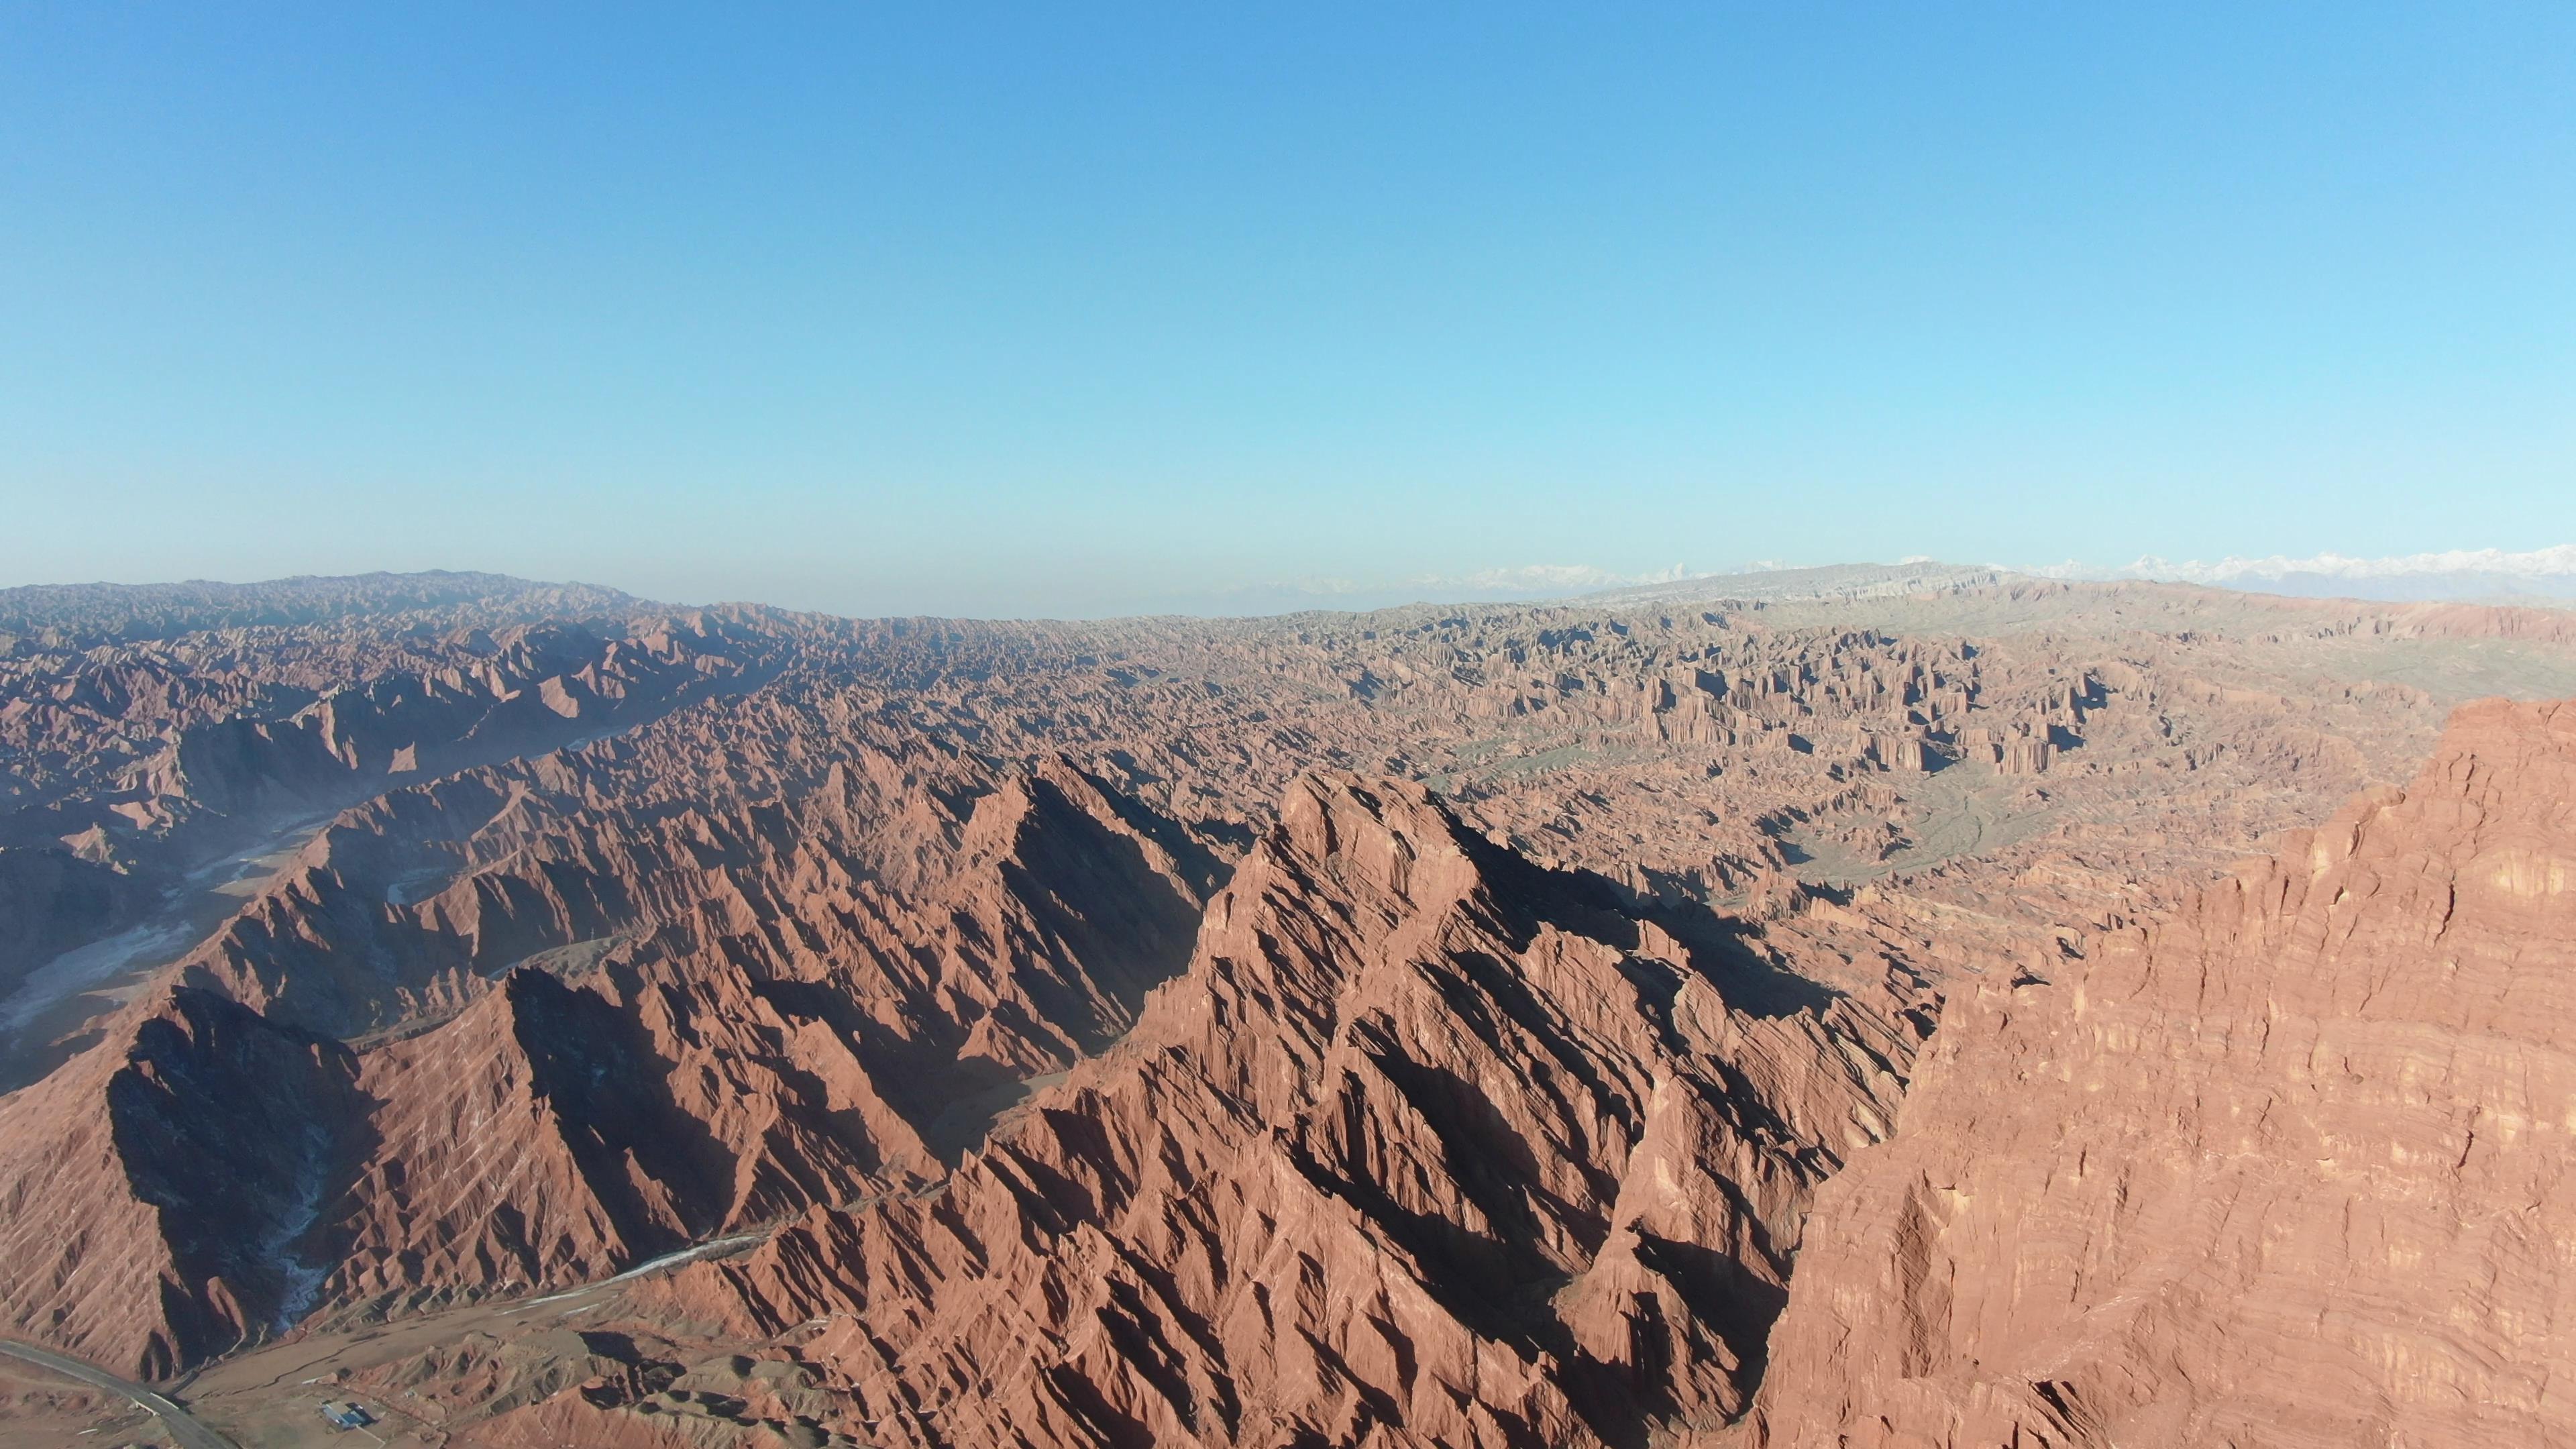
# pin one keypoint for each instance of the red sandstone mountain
(1429, 1145)
(155, 1195)
(140, 775)
(805, 1001)
(2289, 1168)
(1548, 964)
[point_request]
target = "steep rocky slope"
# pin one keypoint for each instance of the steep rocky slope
(619, 1031)
(1558, 957)
(1430, 1145)
(782, 826)
(2041, 754)
(2290, 1168)
(784, 1029)
(154, 1196)
(141, 779)
(136, 742)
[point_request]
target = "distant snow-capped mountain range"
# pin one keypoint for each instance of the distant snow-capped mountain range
(2455, 574)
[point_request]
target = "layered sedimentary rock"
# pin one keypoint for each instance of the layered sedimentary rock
(1681, 751)
(141, 777)
(639, 925)
(953, 915)
(157, 1191)
(2292, 1167)
(1430, 1145)
(618, 1031)
(140, 740)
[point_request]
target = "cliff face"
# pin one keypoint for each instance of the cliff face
(1134, 1055)
(157, 1193)
(905, 885)
(138, 778)
(2291, 1168)
(1429, 1145)
(621, 1021)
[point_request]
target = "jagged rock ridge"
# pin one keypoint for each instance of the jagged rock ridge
(1429, 1145)
(2290, 1168)
(793, 998)
(636, 929)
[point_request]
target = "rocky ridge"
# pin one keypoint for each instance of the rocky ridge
(1525, 975)
(801, 993)
(2290, 1167)
(1429, 1145)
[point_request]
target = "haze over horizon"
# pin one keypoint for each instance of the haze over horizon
(963, 311)
(2544, 577)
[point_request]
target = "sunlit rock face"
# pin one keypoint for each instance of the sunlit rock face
(1450, 1025)
(2292, 1166)
(1429, 1145)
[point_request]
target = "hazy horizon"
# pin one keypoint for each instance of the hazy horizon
(973, 312)
(2544, 576)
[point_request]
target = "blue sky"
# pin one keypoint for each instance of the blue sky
(1092, 309)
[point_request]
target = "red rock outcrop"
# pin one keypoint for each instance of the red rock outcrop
(2290, 1168)
(931, 894)
(157, 1192)
(1428, 1146)
(638, 925)
(139, 776)
(554, 1134)
(622, 1029)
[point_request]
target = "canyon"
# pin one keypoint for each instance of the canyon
(1902, 1006)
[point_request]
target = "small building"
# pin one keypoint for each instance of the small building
(347, 1416)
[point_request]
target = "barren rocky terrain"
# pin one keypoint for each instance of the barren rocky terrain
(1800, 1010)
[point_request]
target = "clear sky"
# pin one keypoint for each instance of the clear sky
(1093, 308)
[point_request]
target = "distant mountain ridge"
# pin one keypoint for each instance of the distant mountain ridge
(88, 615)
(1828, 582)
(2485, 574)
(1438, 1025)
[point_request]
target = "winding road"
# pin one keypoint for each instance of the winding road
(715, 1248)
(189, 1432)
(184, 1430)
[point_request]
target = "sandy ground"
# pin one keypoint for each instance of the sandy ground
(41, 1411)
(271, 1398)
